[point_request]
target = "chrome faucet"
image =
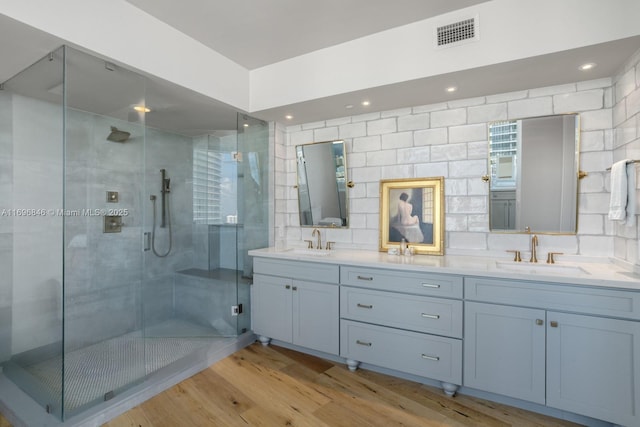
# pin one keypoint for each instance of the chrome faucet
(313, 233)
(534, 243)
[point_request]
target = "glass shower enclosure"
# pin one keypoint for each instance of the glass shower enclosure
(126, 217)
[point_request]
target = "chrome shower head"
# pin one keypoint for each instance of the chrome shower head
(118, 135)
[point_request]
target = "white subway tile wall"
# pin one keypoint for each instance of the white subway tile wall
(450, 140)
(626, 145)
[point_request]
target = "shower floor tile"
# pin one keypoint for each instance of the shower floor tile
(92, 371)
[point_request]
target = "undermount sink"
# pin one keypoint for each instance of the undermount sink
(527, 267)
(314, 252)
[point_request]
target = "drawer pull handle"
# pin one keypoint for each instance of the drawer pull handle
(430, 285)
(539, 322)
(368, 344)
(434, 358)
(365, 305)
(554, 324)
(287, 287)
(365, 278)
(295, 288)
(431, 316)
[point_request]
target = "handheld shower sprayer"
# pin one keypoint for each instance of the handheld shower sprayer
(165, 189)
(165, 185)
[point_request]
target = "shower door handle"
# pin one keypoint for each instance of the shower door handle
(147, 241)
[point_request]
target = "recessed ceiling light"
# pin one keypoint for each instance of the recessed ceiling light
(141, 109)
(288, 117)
(246, 125)
(451, 89)
(587, 66)
(366, 103)
(348, 106)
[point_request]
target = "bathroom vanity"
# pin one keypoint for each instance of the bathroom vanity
(564, 336)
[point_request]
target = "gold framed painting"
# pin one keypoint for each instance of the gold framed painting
(413, 210)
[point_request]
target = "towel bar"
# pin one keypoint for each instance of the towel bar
(632, 161)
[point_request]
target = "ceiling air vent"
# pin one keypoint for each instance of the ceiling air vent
(457, 33)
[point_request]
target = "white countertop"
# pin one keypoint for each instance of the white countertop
(602, 274)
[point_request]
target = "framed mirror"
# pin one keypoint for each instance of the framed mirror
(534, 174)
(322, 184)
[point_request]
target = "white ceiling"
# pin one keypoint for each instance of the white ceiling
(255, 33)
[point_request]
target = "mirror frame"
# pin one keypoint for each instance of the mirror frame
(347, 184)
(577, 173)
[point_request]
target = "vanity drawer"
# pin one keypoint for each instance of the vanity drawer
(573, 298)
(440, 285)
(411, 352)
(311, 271)
(417, 313)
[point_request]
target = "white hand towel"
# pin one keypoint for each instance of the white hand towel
(631, 194)
(621, 188)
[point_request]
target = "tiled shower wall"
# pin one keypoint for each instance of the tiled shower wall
(111, 285)
(105, 277)
(450, 139)
(626, 122)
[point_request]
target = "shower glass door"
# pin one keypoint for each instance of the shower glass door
(104, 351)
(253, 204)
(31, 230)
(191, 279)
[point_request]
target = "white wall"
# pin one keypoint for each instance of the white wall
(450, 140)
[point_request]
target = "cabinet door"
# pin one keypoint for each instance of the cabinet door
(504, 350)
(499, 214)
(316, 316)
(271, 307)
(593, 367)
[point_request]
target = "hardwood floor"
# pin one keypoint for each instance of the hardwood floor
(274, 386)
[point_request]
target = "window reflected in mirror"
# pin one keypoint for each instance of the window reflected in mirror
(533, 174)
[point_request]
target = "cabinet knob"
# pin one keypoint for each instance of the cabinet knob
(295, 288)
(539, 322)
(553, 324)
(287, 287)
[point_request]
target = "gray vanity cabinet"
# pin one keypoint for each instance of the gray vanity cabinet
(572, 347)
(272, 305)
(287, 305)
(400, 320)
(553, 346)
(593, 367)
(504, 349)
